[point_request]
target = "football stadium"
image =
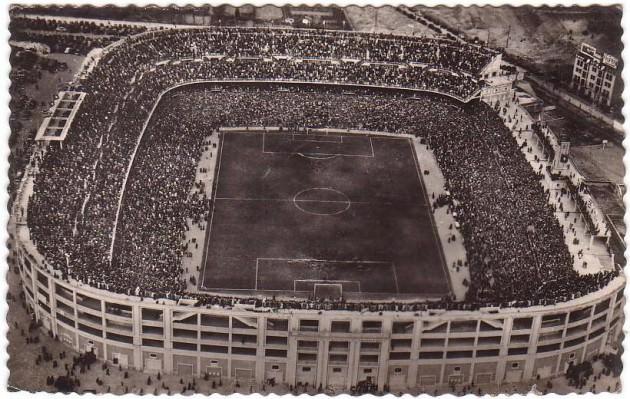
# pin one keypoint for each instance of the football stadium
(312, 208)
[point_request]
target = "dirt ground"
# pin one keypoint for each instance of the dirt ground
(547, 37)
(600, 164)
(387, 19)
(268, 13)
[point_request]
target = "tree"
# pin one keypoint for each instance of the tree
(613, 362)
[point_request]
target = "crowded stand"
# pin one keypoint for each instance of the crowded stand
(515, 246)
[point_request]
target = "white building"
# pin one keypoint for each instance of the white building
(594, 74)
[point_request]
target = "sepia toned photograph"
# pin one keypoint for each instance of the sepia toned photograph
(330, 199)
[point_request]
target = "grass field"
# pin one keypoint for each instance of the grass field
(292, 211)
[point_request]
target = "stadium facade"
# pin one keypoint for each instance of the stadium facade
(336, 349)
(333, 348)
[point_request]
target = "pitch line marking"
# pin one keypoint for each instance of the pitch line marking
(333, 282)
(346, 201)
(216, 190)
(323, 155)
(263, 140)
(435, 234)
(305, 260)
(395, 277)
(320, 154)
(371, 146)
(317, 157)
(314, 140)
(299, 200)
(328, 260)
(256, 276)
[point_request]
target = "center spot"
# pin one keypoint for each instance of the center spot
(322, 201)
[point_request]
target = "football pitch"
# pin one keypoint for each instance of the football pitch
(298, 212)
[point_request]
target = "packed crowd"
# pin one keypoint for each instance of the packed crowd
(75, 205)
(242, 42)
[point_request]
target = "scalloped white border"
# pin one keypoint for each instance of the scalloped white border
(4, 164)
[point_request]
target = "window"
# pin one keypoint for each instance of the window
(367, 370)
(307, 357)
(402, 327)
(309, 325)
(488, 353)
(120, 338)
(515, 365)
(152, 342)
(400, 355)
(277, 324)
(184, 346)
(464, 326)
(368, 358)
(275, 353)
(214, 348)
(306, 369)
(151, 314)
(571, 356)
(457, 369)
(547, 348)
(271, 340)
(370, 346)
(574, 342)
(553, 320)
(244, 351)
(430, 355)
(517, 351)
(341, 346)
(524, 323)
(580, 314)
(372, 326)
(398, 370)
(458, 354)
(336, 369)
(275, 367)
(340, 326)
(153, 356)
(215, 321)
(337, 358)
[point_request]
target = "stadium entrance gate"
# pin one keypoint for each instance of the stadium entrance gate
(513, 375)
(243, 374)
(152, 364)
(337, 376)
(369, 374)
(275, 373)
(306, 375)
(120, 359)
(544, 372)
(398, 378)
(185, 369)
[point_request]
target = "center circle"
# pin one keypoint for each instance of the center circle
(321, 201)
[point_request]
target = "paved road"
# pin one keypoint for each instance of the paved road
(569, 98)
